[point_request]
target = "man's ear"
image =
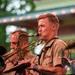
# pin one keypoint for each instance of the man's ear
(53, 27)
(25, 44)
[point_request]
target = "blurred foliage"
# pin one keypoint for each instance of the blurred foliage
(32, 39)
(4, 5)
(3, 37)
(15, 6)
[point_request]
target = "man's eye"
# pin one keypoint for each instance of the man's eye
(42, 25)
(15, 43)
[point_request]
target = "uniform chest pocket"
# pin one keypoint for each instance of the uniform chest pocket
(48, 60)
(48, 56)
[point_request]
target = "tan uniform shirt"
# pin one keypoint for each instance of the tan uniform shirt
(51, 53)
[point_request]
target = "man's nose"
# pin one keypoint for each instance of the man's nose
(11, 46)
(39, 29)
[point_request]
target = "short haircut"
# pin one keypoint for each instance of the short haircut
(21, 34)
(52, 18)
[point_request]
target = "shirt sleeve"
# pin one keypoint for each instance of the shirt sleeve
(58, 52)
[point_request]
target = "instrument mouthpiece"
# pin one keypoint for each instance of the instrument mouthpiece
(33, 35)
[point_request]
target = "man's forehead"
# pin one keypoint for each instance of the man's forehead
(13, 36)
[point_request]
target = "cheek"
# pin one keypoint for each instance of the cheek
(47, 32)
(47, 29)
(15, 47)
(44, 29)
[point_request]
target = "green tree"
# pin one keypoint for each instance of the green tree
(11, 7)
(16, 6)
(3, 37)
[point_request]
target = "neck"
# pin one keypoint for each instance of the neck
(50, 37)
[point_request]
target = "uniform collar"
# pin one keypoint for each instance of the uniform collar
(48, 44)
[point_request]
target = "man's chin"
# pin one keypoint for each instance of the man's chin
(41, 39)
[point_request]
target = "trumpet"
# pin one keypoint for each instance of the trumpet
(33, 35)
(7, 55)
(65, 62)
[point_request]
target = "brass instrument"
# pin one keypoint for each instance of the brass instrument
(65, 62)
(20, 51)
(7, 55)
